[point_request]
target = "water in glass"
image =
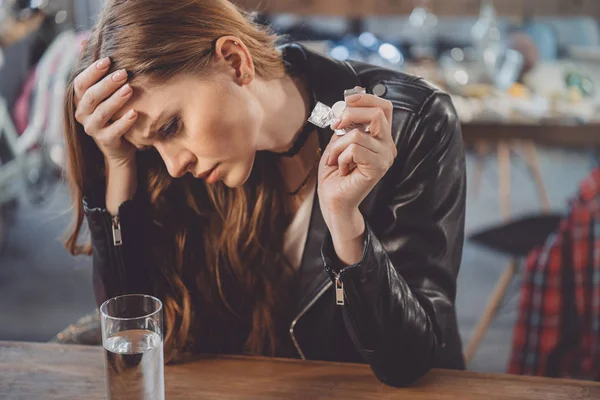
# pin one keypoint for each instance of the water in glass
(134, 365)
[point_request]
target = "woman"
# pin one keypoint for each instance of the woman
(202, 184)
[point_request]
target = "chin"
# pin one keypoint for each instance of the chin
(237, 178)
(240, 173)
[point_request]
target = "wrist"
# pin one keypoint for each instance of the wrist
(121, 183)
(346, 227)
(120, 163)
(347, 235)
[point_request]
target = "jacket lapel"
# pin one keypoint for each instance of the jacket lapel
(328, 79)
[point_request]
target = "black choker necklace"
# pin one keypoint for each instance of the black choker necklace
(299, 142)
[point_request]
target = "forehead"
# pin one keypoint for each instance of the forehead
(149, 103)
(151, 100)
(187, 95)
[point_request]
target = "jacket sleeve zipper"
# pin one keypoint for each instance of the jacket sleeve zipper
(339, 290)
(116, 231)
(116, 256)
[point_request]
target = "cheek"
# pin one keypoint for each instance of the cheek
(230, 126)
(212, 137)
(236, 134)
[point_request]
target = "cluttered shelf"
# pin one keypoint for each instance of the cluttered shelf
(555, 103)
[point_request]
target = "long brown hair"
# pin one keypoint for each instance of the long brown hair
(218, 249)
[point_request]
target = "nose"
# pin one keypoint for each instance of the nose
(177, 161)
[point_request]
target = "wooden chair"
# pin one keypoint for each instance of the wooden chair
(498, 237)
(515, 239)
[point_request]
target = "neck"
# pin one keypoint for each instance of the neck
(285, 104)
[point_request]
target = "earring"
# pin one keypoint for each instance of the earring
(246, 76)
(236, 43)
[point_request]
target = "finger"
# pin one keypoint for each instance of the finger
(107, 109)
(353, 155)
(369, 100)
(117, 129)
(89, 77)
(374, 117)
(99, 92)
(353, 137)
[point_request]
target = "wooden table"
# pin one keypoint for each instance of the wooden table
(34, 371)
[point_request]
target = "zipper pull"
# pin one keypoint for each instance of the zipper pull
(116, 231)
(339, 291)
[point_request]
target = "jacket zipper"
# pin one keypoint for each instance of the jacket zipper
(116, 256)
(339, 290)
(295, 321)
(339, 300)
(116, 231)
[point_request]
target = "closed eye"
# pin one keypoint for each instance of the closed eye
(167, 131)
(171, 128)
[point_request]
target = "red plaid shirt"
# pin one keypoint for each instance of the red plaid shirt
(558, 330)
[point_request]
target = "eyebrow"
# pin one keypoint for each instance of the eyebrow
(152, 131)
(148, 134)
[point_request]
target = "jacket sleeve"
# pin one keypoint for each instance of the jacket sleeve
(118, 268)
(400, 297)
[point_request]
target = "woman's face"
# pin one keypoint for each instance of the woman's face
(207, 127)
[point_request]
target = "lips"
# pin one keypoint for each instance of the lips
(213, 175)
(208, 175)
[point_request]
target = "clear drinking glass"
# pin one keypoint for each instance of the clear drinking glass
(132, 336)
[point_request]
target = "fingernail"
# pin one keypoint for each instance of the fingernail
(353, 98)
(125, 90)
(119, 75)
(131, 114)
(102, 64)
(335, 123)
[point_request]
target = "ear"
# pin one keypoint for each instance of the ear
(233, 56)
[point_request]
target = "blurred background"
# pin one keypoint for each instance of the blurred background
(523, 75)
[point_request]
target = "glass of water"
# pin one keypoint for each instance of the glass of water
(132, 336)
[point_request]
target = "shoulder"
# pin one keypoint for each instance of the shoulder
(407, 92)
(423, 113)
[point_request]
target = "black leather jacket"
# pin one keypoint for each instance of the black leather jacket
(399, 313)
